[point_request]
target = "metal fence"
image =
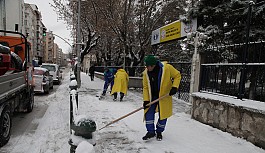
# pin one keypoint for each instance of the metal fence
(184, 87)
(227, 78)
(183, 67)
(135, 71)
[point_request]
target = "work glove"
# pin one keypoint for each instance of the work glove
(145, 103)
(173, 91)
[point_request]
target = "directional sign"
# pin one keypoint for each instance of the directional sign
(174, 30)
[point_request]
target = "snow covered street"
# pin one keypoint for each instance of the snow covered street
(182, 134)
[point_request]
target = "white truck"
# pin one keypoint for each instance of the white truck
(16, 81)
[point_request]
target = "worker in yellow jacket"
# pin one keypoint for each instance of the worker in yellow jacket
(121, 81)
(159, 79)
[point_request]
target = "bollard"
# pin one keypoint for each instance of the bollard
(72, 77)
(73, 86)
(82, 126)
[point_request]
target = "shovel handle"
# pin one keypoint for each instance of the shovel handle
(114, 121)
(152, 102)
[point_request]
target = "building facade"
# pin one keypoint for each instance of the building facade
(30, 28)
(15, 15)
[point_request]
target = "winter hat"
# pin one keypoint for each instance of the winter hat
(150, 60)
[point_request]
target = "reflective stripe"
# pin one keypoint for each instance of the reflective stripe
(160, 125)
(149, 122)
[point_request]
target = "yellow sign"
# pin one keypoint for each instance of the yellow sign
(170, 32)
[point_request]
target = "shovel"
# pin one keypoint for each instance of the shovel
(114, 121)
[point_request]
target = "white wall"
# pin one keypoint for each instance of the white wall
(15, 15)
(2, 14)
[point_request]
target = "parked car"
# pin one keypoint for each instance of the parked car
(54, 71)
(43, 80)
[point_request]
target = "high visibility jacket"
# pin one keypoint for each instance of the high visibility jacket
(121, 81)
(168, 73)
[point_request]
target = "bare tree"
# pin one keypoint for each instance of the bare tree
(124, 26)
(67, 11)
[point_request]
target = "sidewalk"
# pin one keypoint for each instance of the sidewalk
(182, 134)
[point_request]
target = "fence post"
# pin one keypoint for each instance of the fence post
(195, 66)
(243, 71)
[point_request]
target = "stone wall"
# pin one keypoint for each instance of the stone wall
(239, 120)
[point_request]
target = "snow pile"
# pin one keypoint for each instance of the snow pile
(82, 118)
(85, 147)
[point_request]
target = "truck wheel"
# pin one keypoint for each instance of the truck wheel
(5, 126)
(16, 61)
(31, 102)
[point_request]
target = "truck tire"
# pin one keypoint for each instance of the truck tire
(31, 101)
(5, 126)
(16, 62)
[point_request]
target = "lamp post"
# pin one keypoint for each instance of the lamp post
(78, 45)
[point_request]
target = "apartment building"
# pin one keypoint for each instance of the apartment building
(48, 55)
(30, 28)
(34, 29)
(15, 15)
(55, 53)
(59, 56)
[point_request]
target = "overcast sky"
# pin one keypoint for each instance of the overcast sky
(50, 20)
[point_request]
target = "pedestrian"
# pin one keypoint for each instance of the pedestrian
(159, 79)
(120, 84)
(92, 72)
(109, 80)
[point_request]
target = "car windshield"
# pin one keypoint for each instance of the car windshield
(38, 72)
(49, 67)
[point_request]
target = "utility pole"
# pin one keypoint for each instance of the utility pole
(78, 79)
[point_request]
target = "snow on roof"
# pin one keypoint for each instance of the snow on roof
(247, 104)
(49, 64)
(40, 68)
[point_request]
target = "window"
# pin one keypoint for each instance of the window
(38, 72)
(49, 67)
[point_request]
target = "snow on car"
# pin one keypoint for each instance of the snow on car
(43, 80)
(54, 71)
